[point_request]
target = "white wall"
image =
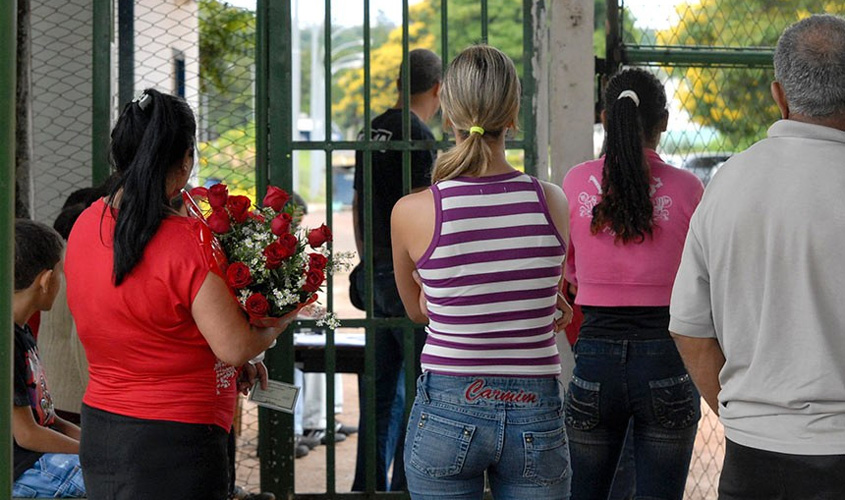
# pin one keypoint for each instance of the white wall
(62, 88)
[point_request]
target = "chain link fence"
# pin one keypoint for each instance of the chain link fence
(60, 103)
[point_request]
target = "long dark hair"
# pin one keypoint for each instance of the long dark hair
(149, 140)
(626, 207)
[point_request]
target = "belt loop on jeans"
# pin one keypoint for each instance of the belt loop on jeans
(422, 387)
(624, 358)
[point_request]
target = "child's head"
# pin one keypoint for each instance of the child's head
(480, 99)
(38, 261)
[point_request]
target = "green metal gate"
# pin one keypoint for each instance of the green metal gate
(275, 67)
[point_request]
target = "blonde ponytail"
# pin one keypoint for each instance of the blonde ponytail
(470, 157)
(481, 91)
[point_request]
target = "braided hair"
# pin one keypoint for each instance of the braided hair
(626, 207)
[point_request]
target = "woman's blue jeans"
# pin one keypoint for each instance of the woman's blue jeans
(509, 427)
(618, 380)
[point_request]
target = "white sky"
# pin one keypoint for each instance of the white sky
(658, 14)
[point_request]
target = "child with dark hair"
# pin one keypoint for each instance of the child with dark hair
(46, 447)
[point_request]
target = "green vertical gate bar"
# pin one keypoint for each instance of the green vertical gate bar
(484, 36)
(331, 351)
(528, 88)
(125, 51)
(8, 82)
(276, 437)
(262, 166)
(101, 75)
(408, 354)
(369, 332)
(444, 40)
(613, 39)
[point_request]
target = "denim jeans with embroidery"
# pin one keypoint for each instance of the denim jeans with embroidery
(54, 475)
(613, 382)
(509, 427)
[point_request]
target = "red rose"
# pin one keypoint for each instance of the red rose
(317, 261)
(275, 198)
(199, 192)
(217, 195)
(238, 276)
(281, 224)
(319, 236)
(257, 216)
(238, 207)
(290, 243)
(257, 305)
(219, 222)
(275, 254)
(313, 280)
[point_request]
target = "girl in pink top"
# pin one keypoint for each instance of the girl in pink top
(629, 215)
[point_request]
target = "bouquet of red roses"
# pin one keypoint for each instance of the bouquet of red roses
(274, 266)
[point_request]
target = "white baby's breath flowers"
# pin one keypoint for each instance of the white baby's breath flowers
(329, 320)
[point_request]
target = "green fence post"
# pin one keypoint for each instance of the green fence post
(276, 436)
(8, 79)
(101, 75)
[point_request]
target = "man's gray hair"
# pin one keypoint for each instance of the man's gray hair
(810, 65)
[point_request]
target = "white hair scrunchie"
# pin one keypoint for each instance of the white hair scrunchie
(630, 93)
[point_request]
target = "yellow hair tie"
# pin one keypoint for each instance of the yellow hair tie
(475, 129)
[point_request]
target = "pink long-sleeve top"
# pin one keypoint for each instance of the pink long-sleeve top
(609, 273)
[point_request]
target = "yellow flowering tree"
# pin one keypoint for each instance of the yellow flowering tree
(735, 101)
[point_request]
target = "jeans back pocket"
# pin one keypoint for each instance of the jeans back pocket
(582, 404)
(440, 445)
(546, 456)
(675, 402)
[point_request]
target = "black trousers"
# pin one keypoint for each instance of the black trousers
(749, 473)
(125, 458)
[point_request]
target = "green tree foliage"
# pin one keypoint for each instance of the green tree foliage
(735, 101)
(227, 57)
(464, 16)
(227, 100)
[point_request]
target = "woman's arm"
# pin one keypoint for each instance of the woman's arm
(558, 209)
(411, 230)
(28, 434)
(222, 323)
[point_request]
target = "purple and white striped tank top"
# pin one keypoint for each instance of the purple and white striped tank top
(490, 277)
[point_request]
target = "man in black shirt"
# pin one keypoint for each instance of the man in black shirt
(425, 77)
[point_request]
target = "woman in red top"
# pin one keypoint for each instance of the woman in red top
(162, 333)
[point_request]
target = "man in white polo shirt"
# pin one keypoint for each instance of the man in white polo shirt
(758, 306)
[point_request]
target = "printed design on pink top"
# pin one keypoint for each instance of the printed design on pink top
(588, 201)
(478, 389)
(225, 375)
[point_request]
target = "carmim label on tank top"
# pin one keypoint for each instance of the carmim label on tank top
(479, 390)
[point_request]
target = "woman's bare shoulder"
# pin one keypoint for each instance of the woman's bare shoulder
(415, 204)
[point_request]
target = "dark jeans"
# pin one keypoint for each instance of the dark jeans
(390, 359)
(125, 458)
(749, 473)
(613, 381)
